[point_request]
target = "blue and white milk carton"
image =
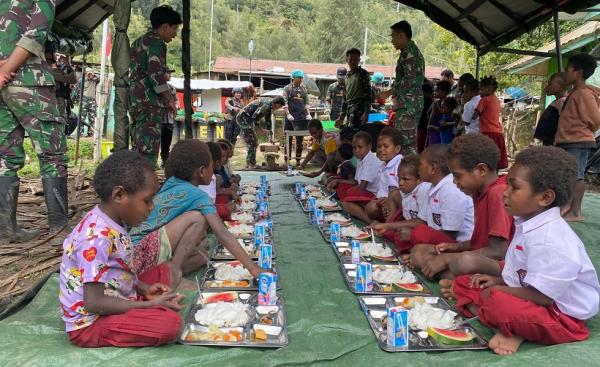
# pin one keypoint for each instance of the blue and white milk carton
(267, 289)
(289, 169)
(397, 327)
(312, 203)
(355, 251)
(263, 180)
(259, 233)
(302, 192)
(364, 277)
(265, 257)
(263, 209)
(335, 233)
(319, 217)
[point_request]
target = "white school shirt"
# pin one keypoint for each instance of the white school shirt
(467, 115)
(210, 189)
(414, 200)
(367, 169)
(388, 176)
(449, 209)
(547, 255)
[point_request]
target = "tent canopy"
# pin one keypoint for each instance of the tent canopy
(488, 24)
(84, 15)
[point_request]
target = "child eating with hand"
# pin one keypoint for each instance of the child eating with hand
(548, 285)
(102, 300)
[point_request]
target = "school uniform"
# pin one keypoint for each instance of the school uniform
(547, 255)
(388, 176)
(447, 209)
(491, 217)
(367, 169)
(411, 202)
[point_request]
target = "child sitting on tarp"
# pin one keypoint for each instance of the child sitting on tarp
(323, 150)
(548, 284)
(223, 197)
(388, 154)
(472, 159)
(412, 194)
(176, 228)
(102, 300)
(230, 180)
(346, 170)
(363, 187)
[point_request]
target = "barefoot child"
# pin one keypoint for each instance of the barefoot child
(363, 187)
(175, 230)
(103, 302)
(226, 195)
(346, 170)
(488, 113)
(472, 159)
(548, 284)
(411, 195)
(388, 152)
(323, 150)
(235, 178)
(229, 179)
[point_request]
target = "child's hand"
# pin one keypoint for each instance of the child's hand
(378, 228)
(447, 247)
(169, 300)
(156, 290)
(404, 234)
(484, 281)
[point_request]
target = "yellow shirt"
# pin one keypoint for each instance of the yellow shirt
(328, 144)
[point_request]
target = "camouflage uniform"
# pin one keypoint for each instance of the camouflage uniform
(248, 118)
(296, 99)
(408, 103)
(335, 93)
(28, 103)
(232, 129)
(358, 96)
(148, 63)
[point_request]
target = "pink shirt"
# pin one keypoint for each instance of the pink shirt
(98, 250)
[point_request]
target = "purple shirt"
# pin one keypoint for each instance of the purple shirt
(98, 250)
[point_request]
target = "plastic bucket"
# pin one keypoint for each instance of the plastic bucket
(105, 148)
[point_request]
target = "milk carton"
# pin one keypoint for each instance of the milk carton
(289, 170)
(259, 233)
(335, 233)
(364, 277)
(355, 251)
(267, 289)
(265, 257)
(397, 327)
(263, 180)
(319, 217)
(302, 192)
(312, 203)
(263, 209)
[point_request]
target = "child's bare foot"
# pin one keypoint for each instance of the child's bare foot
(186, 284)
(175, 275)
(505, 345)
(406, 259)
(446, 288)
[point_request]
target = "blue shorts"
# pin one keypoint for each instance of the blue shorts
(581, 156)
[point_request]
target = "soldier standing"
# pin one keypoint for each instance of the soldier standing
(296, 97)
(88, 105)
(406, 89)
(357, 102)
(249, 118)
(335, 94)
(166, 130)
(28, 104)
(233, 105)
(149, 95)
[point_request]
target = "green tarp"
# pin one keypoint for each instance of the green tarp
(326, 325)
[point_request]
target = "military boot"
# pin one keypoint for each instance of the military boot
(9, 195)
(57, 201)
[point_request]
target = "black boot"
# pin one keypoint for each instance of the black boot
(9, 196)
(57, 201)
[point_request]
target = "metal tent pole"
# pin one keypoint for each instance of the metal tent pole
(557, 40)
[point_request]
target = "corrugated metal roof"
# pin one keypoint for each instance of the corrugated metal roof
(205, 84)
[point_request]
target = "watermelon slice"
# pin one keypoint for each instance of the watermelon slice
(450, 337)
(385, 258)
(231, 223)
(221, 297)
(413, 287)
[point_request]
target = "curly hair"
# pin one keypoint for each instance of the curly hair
(123, 168)
(450, 102)
(345, 151)
(315, 124)
(365, 136)
(472, 149)
(393, 134)
(584, 62)
(215, 150)
(488, 81)
(437, 154)
(411, 162)
(550, 168)
(186, 157)
(444, 86)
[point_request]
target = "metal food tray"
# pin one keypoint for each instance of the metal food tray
(416, 343)
(297, 196)
(378, 289)
(346, 258)
(219, 254)
(324, 230)
(304, 206)
(209, 276)
(278, 319)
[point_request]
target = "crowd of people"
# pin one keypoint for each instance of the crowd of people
(430, 183)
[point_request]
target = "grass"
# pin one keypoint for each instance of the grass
(86, 154)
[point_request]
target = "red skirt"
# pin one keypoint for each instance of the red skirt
(515, 316)
(353, 194)
(423, 234)
(498, 138)
(221, 203)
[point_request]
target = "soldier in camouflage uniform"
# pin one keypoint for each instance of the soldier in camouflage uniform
(88, 106)
(297, 109)
(335, 94)
(233, 105)
(28, 104)
(357, 102)
(150, 98)
(410, 74)
(249, 118)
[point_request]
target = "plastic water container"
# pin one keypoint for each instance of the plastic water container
(377, 117)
